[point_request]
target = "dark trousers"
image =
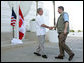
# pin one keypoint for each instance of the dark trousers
(62, 45)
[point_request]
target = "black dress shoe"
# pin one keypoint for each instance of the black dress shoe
(59, 57)
(71, 57)
(37, 54)
(44, 56)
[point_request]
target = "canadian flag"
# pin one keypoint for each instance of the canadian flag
(21, 25)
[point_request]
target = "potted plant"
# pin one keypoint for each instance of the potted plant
(53, 35)
(32, 25)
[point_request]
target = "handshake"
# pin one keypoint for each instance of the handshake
(50, 28)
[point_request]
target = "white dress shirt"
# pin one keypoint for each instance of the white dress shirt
(39, 21)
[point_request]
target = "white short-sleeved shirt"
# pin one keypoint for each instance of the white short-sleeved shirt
(39, 21)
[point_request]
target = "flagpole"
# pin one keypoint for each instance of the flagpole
(13, 31)
(17, 27)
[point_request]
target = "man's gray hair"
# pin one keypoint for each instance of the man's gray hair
(61, 7)
(39, 9)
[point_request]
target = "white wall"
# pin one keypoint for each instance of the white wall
(5, 17)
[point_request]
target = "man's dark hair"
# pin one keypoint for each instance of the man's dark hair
(61, 7)
(39, 9)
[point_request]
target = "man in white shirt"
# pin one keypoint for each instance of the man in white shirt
(40, 31)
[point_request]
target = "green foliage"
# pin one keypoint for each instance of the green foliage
(79, 31)
(33, 19)
(72, 31)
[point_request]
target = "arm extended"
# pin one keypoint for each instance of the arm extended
(43, 25)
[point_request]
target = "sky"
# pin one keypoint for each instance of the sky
(73, 8)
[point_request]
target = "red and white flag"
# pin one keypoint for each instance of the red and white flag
(21, 25)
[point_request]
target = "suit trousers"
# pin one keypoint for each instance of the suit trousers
(40, 49)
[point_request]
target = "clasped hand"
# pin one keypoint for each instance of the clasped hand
(50, 28)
